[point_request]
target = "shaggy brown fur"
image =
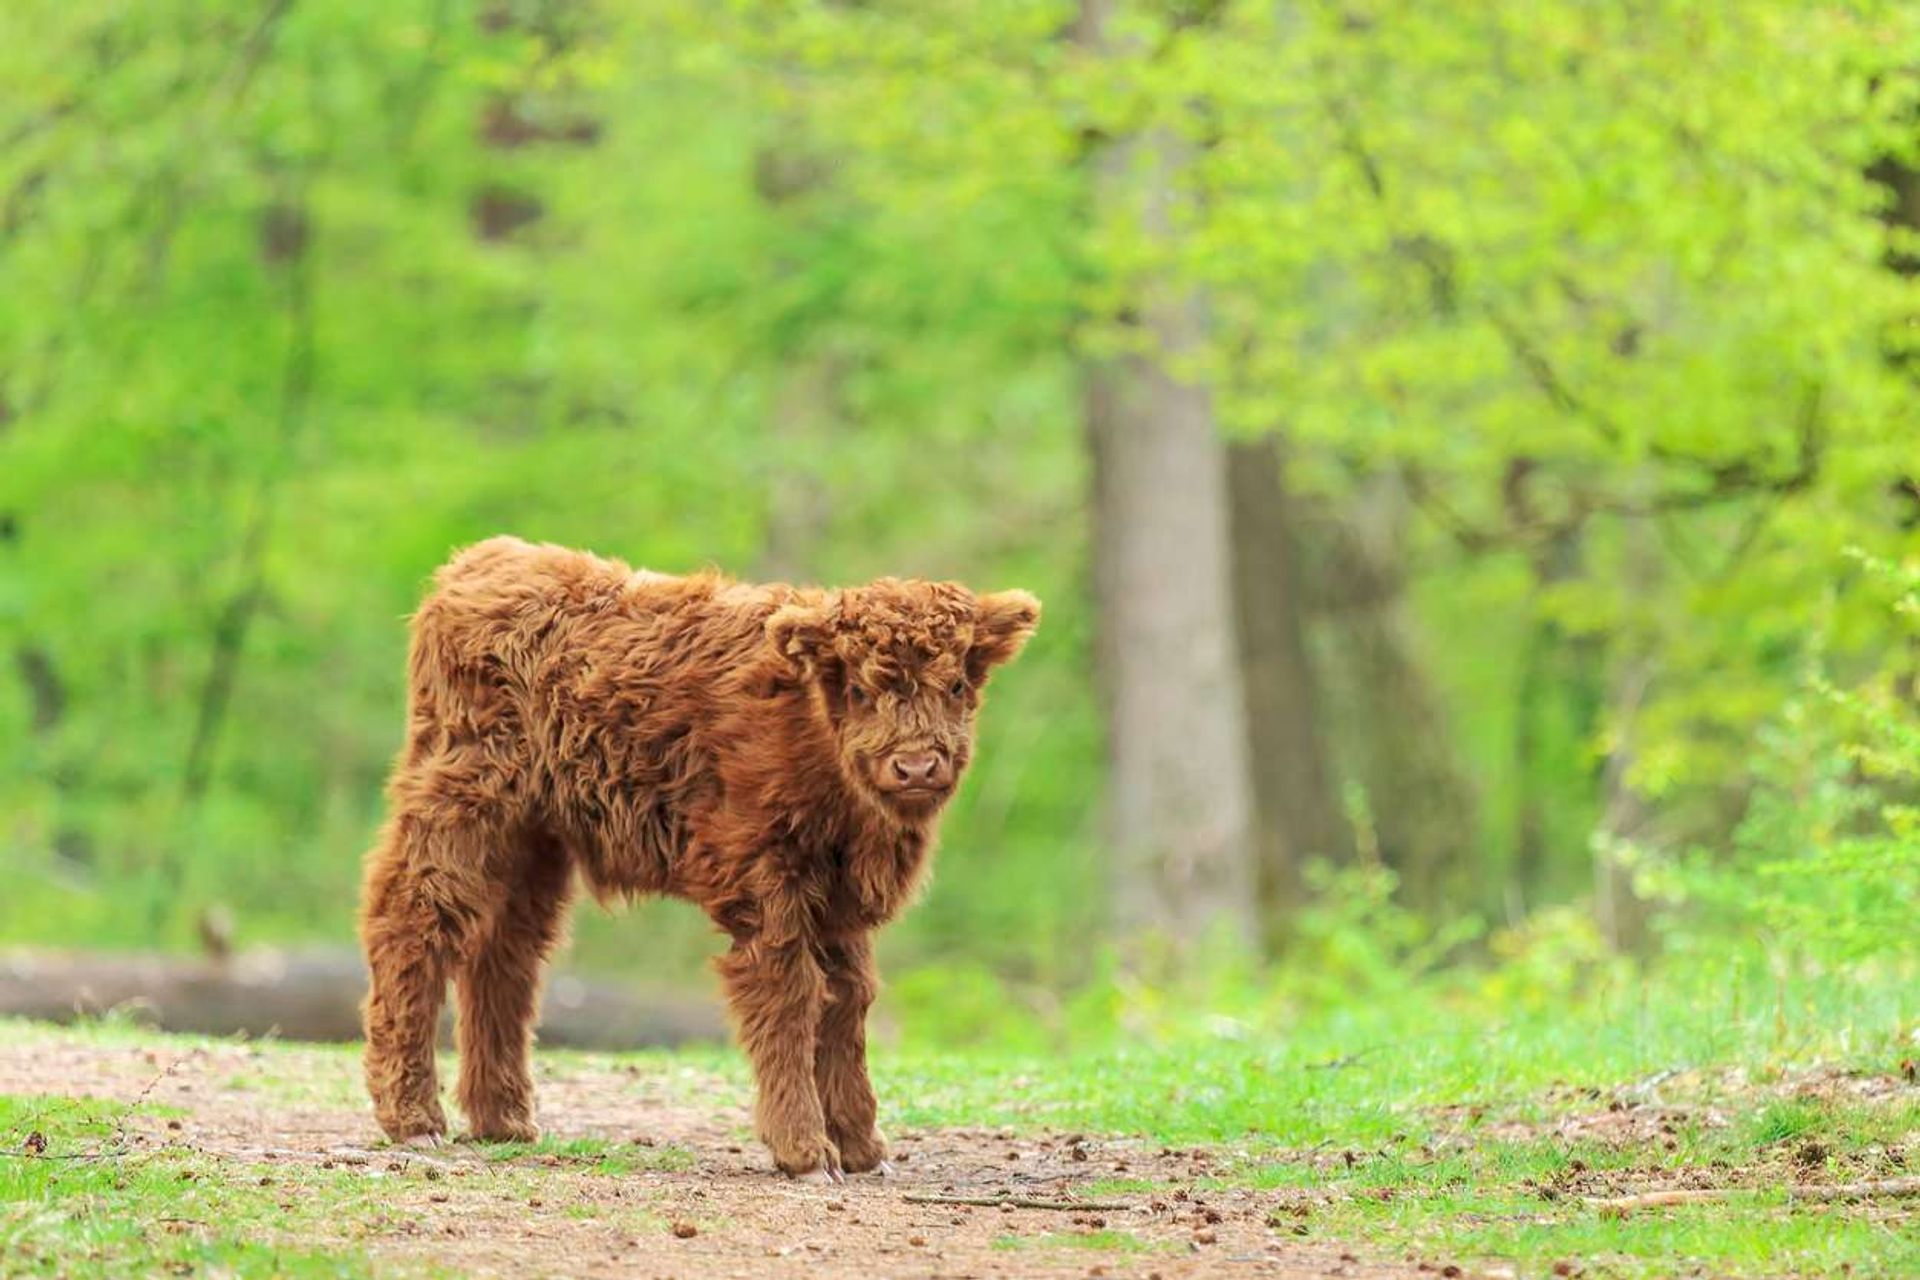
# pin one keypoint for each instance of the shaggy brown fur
(777, 755)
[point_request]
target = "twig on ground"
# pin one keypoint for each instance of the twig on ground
(1889, 1188)
(1644, 1088)
(1347, 1060)
(1017, 1202)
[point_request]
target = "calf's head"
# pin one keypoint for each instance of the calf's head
(896, 669)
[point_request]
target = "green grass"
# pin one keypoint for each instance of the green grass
(1458, 1128)
(1364, 1076)
(1527, 1199)
(1463, 1121)
(90, 1203)
(1104, 1241)
(1786, 1120)
(87, 1208)
(594, 1155)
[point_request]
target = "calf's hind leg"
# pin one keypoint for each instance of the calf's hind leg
(414, 919)
(498, 987)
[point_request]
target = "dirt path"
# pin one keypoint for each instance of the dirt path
(674, 1186)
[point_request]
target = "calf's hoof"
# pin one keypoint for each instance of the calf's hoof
(504, 1129)
(825, 1177)
(812, 1158)
(405, 1124)
(864, 1154)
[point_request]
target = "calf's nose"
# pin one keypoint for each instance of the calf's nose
(918, 769)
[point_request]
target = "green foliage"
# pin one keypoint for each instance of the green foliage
(1827, 860)
(262, 368)
(1355, 941)
(294, 300)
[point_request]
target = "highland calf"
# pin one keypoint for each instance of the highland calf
(777, 755)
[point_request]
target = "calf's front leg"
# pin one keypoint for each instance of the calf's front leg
(776, 991)
(840, 1057)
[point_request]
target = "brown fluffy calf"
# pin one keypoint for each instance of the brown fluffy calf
(777, 755)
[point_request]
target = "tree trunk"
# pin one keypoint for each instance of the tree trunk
(1297, 814)
(1420, 804)
(47, 697)
(1558, 704)
(1625, 820)
(1178, 803)
(1618, 912)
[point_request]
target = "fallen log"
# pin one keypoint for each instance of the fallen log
(315, 995)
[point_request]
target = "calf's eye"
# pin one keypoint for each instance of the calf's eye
(958, 689)
(857, 695)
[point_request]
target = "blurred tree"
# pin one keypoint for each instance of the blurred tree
(805, 401)
(1179, 794)
(1534, 288)
(1298, 814)
(1590, 331)
(1400, 752)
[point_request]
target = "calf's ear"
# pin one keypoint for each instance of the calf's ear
(797, 632)
(1002, 622)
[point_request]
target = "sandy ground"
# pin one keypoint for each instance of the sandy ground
(715, 1208)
